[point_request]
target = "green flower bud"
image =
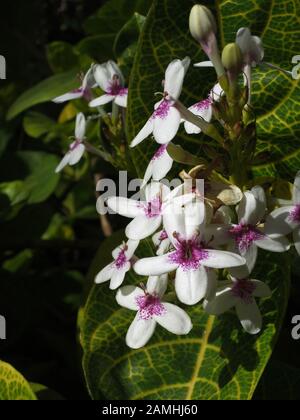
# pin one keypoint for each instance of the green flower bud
(232, 58)
(202, 23)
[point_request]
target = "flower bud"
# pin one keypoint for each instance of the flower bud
(202, 23)
(232, 58)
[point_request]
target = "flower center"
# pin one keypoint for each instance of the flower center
(149, 306)
(74, 145)
(189, 254)
(161, 151)
(153, 208)
(121, 260)
(295, 214)
(244, 289)
(163, 110)
(245, 235)
(115, 88)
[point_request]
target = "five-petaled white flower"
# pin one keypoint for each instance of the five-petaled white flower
(151, 310)
(159, 165)
(165, 121)
(240, 293)
(249, 234)
(192, 257)
(77, 148)
(115, 272)
(84, 91)
(147, 215)
(110, 79)
(286, 219)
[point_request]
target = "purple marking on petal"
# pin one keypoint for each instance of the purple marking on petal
(160, 152)
(149, 306)
(153, 208)
(78, 90)
(115, 88)
(163, 110)
(163, 236)
(74, 145)
(295, 214)
(123, 92)
(245, 235)
(189, 253)
(244, 289)
(121, 260)
(203, 105)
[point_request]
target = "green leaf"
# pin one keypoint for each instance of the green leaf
(43, 92)
(13, 386)
(61, 57)
(178, 154)
(36, 124)
(276, 97)
(217, 360)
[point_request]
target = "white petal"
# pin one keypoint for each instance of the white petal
(118, 276)
(174, 77)
(80, 126)
(280, 244)
(102, 77)
(222, 259)
(175, 320)
(243, 39)
(191, 285)
(251, 257)
(155, 190)
(204, 64)
(157, 285)
(155, 266)
(142, 226)
(64, 162)
(262, 289)
(216, 235)
(212, 284)
(89, 79)
(68, 97)
(114, 70)
(241, 272)
(105, 274)
(163, 247)
(140, 332)
(279, 222)
(127, 295)
(143, 134)
(296, 190)
(223, 301)
(161, 166)
(202, 110)
(250, 317)
(296, 237)
(125, 206)
(122, 100)
(76, 154)
(102, 100)
(166, 127)
(216, 93)
(131, 248)
(261, 201)
(248, 209)
(148, 174)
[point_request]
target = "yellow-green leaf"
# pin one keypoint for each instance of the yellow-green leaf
(13, 386)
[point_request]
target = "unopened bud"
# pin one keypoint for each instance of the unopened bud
(232, 58)
(202, 23)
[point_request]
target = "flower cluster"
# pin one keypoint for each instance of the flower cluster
(208, 231)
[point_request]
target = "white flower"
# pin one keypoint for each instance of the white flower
(240, 294)
(77, 148)
(116, 271)
(110, 79)
(202, 109)
(248, 234)
(84, 91)
(286, 219)
(161, 241)
(165, 121)
(147, 215)
(151, 310)
(251, 47)
(192, 256)
(159, 166)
